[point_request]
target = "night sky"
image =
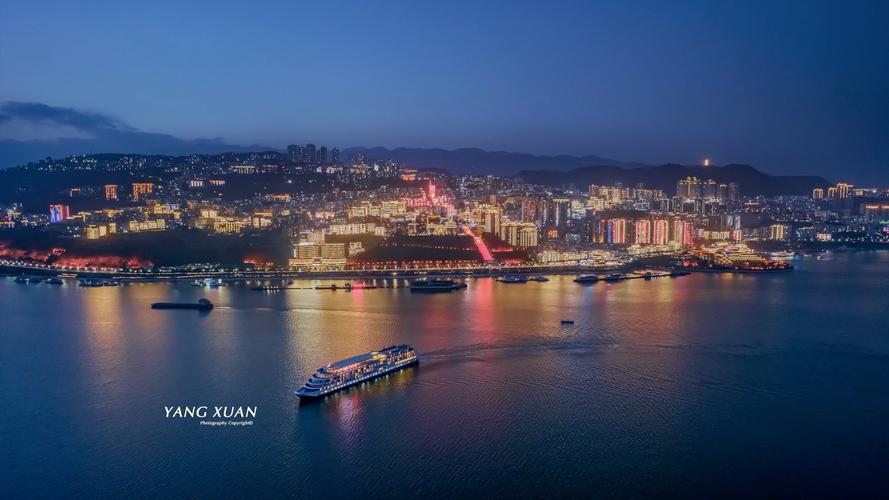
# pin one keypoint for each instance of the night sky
(796, 87)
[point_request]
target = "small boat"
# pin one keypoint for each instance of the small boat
(55, 281)
(110, 283)
(540, 279)
(513, 278)
(332, 287)
(89, 283)
(647, 275)
(587, 278)
(613, 277)
(567, 321)
(200, 305)
(431, 285)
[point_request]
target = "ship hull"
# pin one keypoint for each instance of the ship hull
(303, 394)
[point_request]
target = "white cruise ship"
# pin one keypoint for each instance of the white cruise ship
(357, 369)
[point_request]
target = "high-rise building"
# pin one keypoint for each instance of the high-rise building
(734, 192)
(643, 231)
(59, 213)
(683, 232)
(831, 193)
(817, 194)
(844, 190)
(322, 155)
(528, 236)
(293, 153)
(311, 154)
(490, 220)
(722, 193)
(521, 234)
(561, 211)
(709, 189)
(688, 234)
(689, 188)
(660, 232)
(110, 191)
(142, 189)
(777, 232)
(335, 155)
(616, 231)
(529, 209)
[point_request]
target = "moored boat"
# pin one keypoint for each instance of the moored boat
(587, 278)
(436, 285)
(357, 369)
(514, 278)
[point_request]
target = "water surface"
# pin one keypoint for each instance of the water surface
(702, 385)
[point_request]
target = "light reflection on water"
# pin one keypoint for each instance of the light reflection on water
(668, 381)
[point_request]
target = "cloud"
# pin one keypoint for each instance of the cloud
(94, 133)
(35, 112)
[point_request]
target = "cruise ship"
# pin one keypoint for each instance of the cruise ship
(357, 369)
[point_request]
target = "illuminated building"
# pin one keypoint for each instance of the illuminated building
(520, 234)
(709, 189)
(817, 194)
(260, 220)
(777, 232)
(876, 210)
(831, 193)
(561, 208)
(490, 220)
(335, 155)
(110, 191)
(142, 189)
(616, 231)
(98, 231)
(688, 234)
(147, 225)
(683, 232)
(844, 190)
(528, 236)
(319, 255)
(643, 232)
(660, 234)
(689, 188)
(676, 233)
(243, 169)
(59, 213)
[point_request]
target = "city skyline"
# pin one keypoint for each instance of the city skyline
(649, 83)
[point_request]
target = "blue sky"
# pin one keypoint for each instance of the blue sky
(794, 87)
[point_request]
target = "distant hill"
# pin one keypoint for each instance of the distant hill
(479, 161)
(751, 180)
